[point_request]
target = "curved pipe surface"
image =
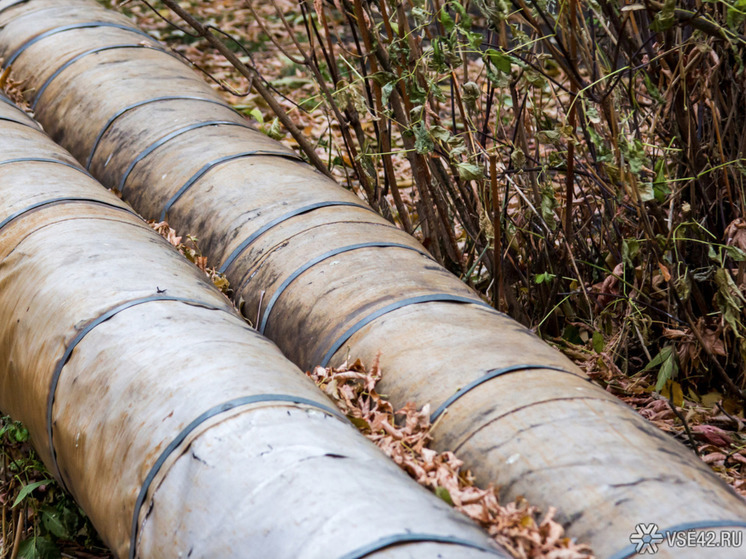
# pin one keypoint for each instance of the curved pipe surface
(532, 424)
(171, 422)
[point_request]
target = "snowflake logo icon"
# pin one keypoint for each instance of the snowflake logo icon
(646, 538)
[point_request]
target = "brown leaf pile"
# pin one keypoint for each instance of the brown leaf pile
(404, 436)
(190, 250)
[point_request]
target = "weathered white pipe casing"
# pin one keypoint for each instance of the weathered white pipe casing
(140, 385)
(326, 274)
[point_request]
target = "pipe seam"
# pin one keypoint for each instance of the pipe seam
(129, 108)
(186, 431)
(226, 159)
(397, 539)
(534, 404)
(158, 143)
(52, 201)
(269, 252)
(489, 375)
(46, 160)
(277, 221)
(54, 381)
(341, 250)
(435, 297)
(58, 71)
(85, 25)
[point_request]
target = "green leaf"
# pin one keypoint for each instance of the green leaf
(501, 61)
(729, 300)
(26, 490)
(545, 277)
(735, 253)
(423, 142)
(386, 92)
(275, 130)
(440, 133)
(444, 494)
(51, 519)
(38, 548)
(634, 153)
(598, 342)
(468, 171)
(257, 115)
(736, 14)
(470, 93)
(665, 18)
(669, 367)
(20, 434)
(447, 21)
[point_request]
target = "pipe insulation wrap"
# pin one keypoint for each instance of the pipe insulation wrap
(539, 432)
(172, 422)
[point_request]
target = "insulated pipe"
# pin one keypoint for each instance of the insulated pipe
(170, 421)
(327, 276)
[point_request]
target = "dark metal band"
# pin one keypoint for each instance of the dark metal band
(631, 550)
(135, 106)
(209, 166)
(494, 373)
(83, 25)
(212, 412)
(4, 99)
(435, 297)
(263, 229)
(75, 59)
(165, 139)
(51, 201)
(397, 539)
(79, 337)
(45, 160)
(16, 3)
(292, 277)
(14, 121)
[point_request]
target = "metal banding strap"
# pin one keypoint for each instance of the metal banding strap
(489, 376)
(277, 221)
(397, 539)
(16, 3)
(4, 99)
(435, 297)
(14, 121)
(208, 166)
(45, 160)
(51, 201)
(292, 277)
(73, 60)
(184, 433)
(631, 550)
(79, 337)
(170, 136)
(85, 25)
(135, 106)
